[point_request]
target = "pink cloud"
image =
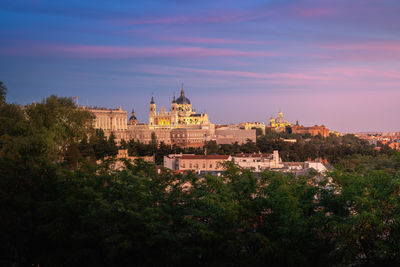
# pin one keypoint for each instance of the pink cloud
(361, 72)
(116, 52)
(211, 17)
(232, 73)
(390, 45)
(127, 51)
(205, 40)
(362, 51)
(321, 78)
(314, 12)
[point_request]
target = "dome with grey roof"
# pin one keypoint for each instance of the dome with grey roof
(182, 100)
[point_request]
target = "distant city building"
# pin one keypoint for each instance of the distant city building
(232, 134)
(110, 121)
(289, 140)
(258, 162)
(180, 126)
(380, 139)
(313, 130)
(301, 168)
(122, 155)
(181, 114)
(280, 124)
(133, 120)
(252, 125)
(198, 163)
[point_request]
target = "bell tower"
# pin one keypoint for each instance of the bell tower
(174, 112)
(152, 112)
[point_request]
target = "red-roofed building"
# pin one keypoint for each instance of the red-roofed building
(313, 130)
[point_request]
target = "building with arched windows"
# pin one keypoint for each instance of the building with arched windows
(180, 126)
(279, 123)
(180, 115)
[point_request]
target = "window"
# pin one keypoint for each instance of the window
(210, 165)
(190, 165)
(204, 165)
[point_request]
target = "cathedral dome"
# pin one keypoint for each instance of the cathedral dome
(182, 100)
(280, 118)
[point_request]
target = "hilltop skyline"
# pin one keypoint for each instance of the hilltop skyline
(321, 62)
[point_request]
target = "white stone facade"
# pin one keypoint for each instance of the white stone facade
(258, 162)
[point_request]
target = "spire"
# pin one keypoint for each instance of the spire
(182, 91)
(152, 99)
(174, 100)
(133, 111)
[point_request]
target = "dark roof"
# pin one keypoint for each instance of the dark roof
(252, 155)
(195, 115)
(182, 99)
(205, 157)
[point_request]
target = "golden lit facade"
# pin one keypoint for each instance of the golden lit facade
(279, 122)
(181, 114)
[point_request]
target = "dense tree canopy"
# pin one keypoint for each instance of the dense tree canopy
(3, 92)
(58, 208)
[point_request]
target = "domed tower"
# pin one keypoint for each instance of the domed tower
(152, 112)
(174, 112)
(272, 121)
(133, 120)
(280, 120)
(183, 102)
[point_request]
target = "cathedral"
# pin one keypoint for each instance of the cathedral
(180, 126)
(180, 115)
(279, 123)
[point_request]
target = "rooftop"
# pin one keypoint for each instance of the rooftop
(252, 155)
(221, 157)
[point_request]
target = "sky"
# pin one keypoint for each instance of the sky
(330, 62)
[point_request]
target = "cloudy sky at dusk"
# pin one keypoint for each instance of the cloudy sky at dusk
(332, 62)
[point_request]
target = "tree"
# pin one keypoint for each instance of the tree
(112, 149)
(249, 147)
(3, 93)
(100, 144)
(259, 131)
